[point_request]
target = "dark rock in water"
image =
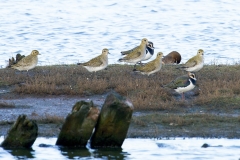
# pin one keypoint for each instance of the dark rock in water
(44, 145)
(113, 122)
(205, 145)
(22, 134)
(79, 124)
(172, 57)
(14, 61)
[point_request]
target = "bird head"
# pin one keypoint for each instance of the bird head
(150, 45)
(192, 76)
(200, 52)
(144, 41)
(105, 51)
(160, 54)
(35, 53)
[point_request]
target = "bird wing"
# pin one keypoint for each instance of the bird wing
(178, 82)
(191, 62)
(25, 61)
(147, 67)
(129, 51)
(95, 62)
(134, 54)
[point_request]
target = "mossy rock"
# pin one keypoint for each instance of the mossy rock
(113, 122)
(79, 124)
(22, 134)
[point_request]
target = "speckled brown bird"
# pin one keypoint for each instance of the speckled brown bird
(149, 51)
(137, 55)
(195, 63)
(152, 66)
(98, 63)
(28, 62)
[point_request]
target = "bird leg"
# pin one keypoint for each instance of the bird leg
(134, 66)
(183, 97)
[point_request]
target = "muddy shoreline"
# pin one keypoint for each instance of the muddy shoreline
(210, 110)
(50, 112)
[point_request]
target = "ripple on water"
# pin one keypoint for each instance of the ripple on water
(186, 27)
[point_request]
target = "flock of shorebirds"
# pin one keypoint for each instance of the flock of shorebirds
(135, 56)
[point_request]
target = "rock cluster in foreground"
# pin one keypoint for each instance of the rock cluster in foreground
(105, 128)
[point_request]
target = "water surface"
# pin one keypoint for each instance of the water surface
(69, 32)
(178, 148)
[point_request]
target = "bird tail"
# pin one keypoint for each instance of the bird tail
(123, 53)
(180, 67)
(121, 60)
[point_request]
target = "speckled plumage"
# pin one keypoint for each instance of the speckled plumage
(152, 66)
(28, 62)
(137, 54)
(149, 51)
(98, 63)
(195, 63)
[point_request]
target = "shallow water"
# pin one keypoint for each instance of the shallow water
(69, 32)
(178, 148)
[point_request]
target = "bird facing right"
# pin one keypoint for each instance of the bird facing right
(28, 62)
(152, 66)
(195, 63)
(149, 51)
(183, 84)
(136, 55)
(98, 63)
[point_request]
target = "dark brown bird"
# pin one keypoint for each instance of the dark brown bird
(172, 57)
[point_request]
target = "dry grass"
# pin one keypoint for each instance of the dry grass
(45, 119)
(187, 120)
(218, 86)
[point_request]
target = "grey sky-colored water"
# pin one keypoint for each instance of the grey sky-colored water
(67, 32)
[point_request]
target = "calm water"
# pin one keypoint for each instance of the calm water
(225, 149)
(67, 32)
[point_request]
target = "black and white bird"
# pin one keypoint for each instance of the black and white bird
(149, 51)
(183, 84)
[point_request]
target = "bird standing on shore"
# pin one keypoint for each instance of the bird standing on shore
(98, 63)
(183, 84)
(195, 63)
(152, 66)
(137, 55)
(149, 51)
(28, 62)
